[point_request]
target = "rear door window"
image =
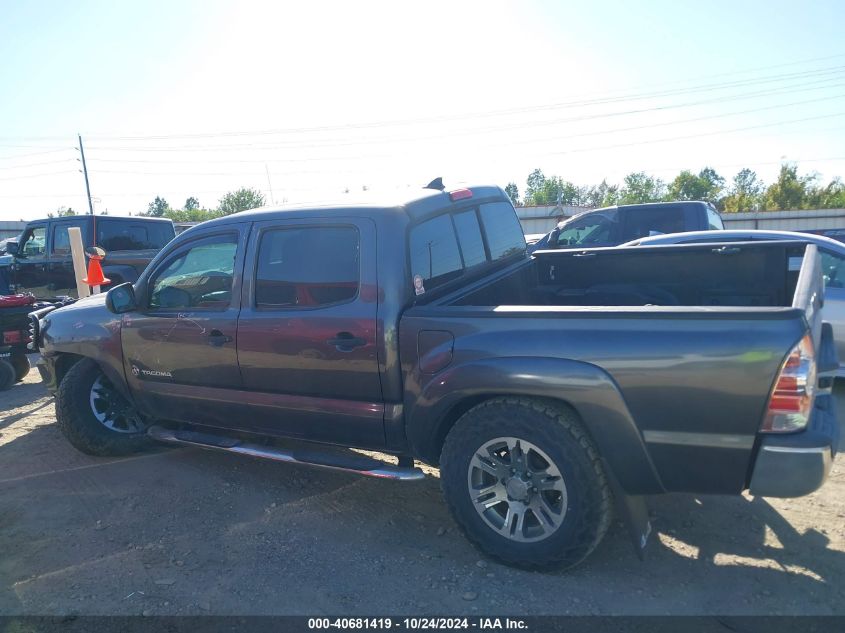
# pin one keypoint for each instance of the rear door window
(307, 267)
(61, 240)
(129, 236)
(656, 221)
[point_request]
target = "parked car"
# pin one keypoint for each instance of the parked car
(42, 263)
(611, 226)
(543, 387)
(833, 265)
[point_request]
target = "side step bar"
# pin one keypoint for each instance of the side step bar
(321, 457)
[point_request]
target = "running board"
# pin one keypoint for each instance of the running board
(321, 457)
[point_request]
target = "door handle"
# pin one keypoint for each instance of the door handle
(346, 341)
(216, 338)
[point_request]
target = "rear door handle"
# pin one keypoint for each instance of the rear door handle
(216, 338)
(346, 341)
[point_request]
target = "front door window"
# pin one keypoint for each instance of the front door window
(34, 242)
(199, 277)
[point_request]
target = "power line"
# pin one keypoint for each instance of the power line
(690, 136)
(40, 164)
(560, 105)
(822, 84)
(49, 173)
(682, 121)
(50, 151)
(375, 156)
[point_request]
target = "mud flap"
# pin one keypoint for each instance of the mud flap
(633, 510)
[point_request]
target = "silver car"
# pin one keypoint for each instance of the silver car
(833, 263)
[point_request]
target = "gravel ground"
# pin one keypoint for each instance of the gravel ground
(197, 532)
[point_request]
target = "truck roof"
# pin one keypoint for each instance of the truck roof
(676, 204)
(88, 216)
(683, 204)
(427, 203)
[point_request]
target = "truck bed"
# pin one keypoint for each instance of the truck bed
(744, 274)
(686, 341)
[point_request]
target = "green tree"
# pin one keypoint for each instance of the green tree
(601, 195)
(707, 185)
(639, 187)
(830, 196)
(241, 200)
(534, 185)
(191, 204)
(192, 215)
(158, 207)
(65, 212)
(513, 193)
(789, 191)
(541, 190)
(745, 193)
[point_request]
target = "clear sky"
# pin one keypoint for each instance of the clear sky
(183, 99)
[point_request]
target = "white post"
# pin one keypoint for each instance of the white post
(78, 254)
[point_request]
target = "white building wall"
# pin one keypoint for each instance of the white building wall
(787, 220)
(544, 219)
(11, 228)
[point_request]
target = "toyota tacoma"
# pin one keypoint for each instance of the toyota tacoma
(550, 389)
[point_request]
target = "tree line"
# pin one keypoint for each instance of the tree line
(745, 192)
(233, 202)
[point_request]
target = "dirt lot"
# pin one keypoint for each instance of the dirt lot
(196, 532)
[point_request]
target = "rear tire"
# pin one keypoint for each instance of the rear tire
(525, 483)
(94, 417)
(21, 364)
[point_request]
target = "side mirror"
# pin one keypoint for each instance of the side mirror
(554, 235)
(121, 299)
(12, 247)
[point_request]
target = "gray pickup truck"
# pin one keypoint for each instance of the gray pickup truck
(40, 261)
(547, 388)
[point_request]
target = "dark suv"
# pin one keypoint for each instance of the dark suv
(42, 263)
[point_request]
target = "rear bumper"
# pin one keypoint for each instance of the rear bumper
(797, 464)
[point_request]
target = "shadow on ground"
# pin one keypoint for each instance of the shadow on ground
(189, 531)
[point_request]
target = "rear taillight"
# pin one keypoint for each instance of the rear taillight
(12, 337)
(795, 389)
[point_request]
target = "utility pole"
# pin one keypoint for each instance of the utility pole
(269, 184)
(85, 171)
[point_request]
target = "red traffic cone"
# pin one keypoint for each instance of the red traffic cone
(95, 269)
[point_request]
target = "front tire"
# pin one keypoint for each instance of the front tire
(525, 483)
(94, 417)
(21, 364)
